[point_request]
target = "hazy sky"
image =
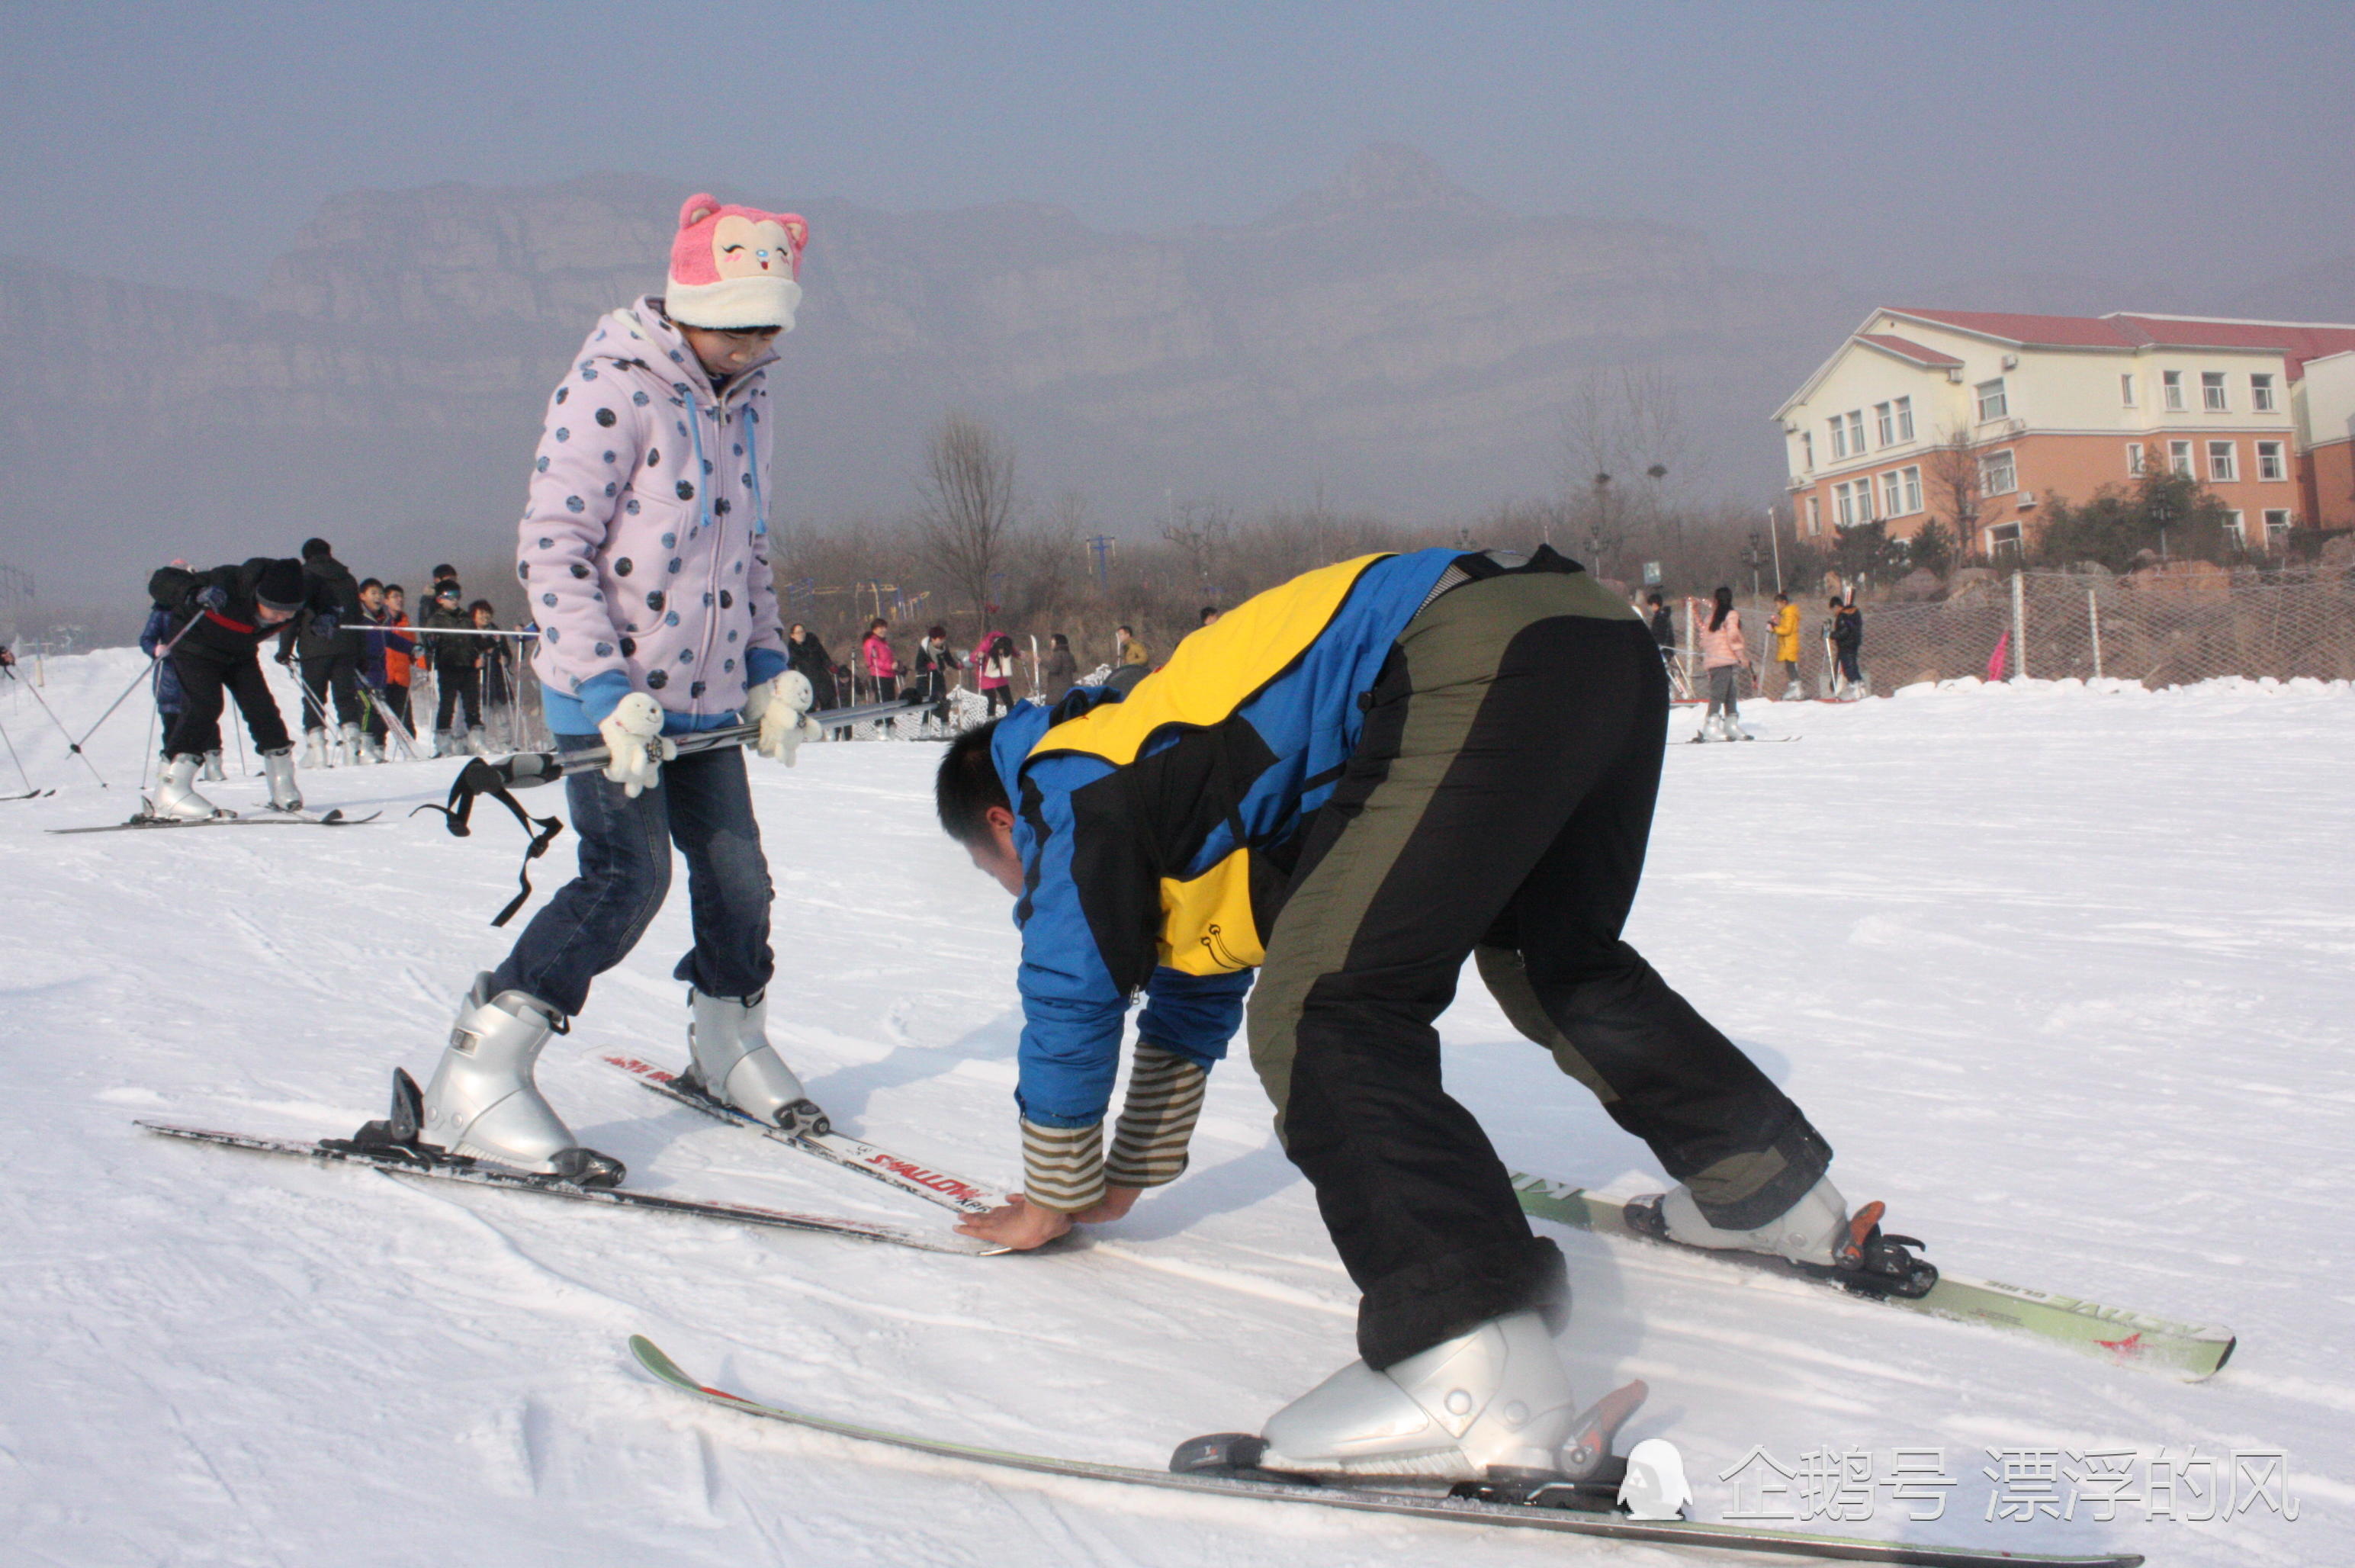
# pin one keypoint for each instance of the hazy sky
(2205, 142)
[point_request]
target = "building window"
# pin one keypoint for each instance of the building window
(2178, 457)
(1993, 404)
(2269, 461)
(2223, 466)
(2211, 391)
(1905, 418)
(2235, 530)
(1912, 490)
(1856, 432)
(2134, 460)
(2127, 392)
(2261, 393)
(1893, 495)
(1808, 451)
(1840, 438)
(2171, 386)
(1885, 423)
(2003, 538)
(1997, 474)
(1843, 508)
(2276, 527)
(1814, 514)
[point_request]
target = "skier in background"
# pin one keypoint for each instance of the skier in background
(882, 666)
(458, 675)
(1723, 656)
(1449, 755)
(1848, 643)
(934, 662)
(401, 656)
(1061, 672)
(1135, 663)
(153, 639)
(329, 662)
(220, 619)
(992, 669)
(495, 674)
(651, 480)
(1785, 629)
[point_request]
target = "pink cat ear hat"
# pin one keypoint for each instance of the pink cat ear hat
(734, 267)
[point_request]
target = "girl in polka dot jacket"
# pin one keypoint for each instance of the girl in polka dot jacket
(644, 551)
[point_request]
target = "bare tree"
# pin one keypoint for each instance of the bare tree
(966, 517)
(1625, 458)
(1955, 488)
(1202, 532)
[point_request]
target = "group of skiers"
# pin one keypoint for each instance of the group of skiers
(1303, 823)
(1725, 654)
(355, 651)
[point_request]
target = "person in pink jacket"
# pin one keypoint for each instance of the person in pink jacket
(644, 551)
(1723, 656)
(882, 667)
(994, 661)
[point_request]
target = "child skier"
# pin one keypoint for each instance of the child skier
(220, 619)
(1413, 758)
(1723, 656)
(644, 551)
(1785, 627)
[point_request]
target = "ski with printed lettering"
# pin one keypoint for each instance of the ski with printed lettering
(893, 1171)
(2186, 1351)
(1565, 1506)
(397, 1160)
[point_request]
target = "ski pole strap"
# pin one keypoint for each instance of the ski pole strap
(499, 780)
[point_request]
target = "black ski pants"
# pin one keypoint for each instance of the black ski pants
(338, 673)
(1498, 803)
(460, 686)
(204, 677)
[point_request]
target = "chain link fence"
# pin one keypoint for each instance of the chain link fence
(2169, 626)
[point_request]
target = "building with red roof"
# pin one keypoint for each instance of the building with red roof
(1977, 418)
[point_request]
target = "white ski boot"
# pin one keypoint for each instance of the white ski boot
(1496, 1399)
(176, 796)
(734, 1062)
(1815, 1230)
(278, 766)
(483, 1104)
(478, 741)
(371, 749)
(315, 748)
(213, 771)
(443, 744)
(351, 746)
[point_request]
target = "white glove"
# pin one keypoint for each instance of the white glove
(634, 746)
(781, 707)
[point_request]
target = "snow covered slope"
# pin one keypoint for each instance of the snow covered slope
(2062, 974)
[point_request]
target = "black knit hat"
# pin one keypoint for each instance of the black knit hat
(313, 549)
(281, 586)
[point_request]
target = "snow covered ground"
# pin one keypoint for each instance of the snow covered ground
(2062, 974)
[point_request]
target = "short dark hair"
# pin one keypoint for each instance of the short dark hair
(396, 588)
(368, 582)
(1655, 599)
(481, 605)
(1208, 611)
(444, 570)
(313, 549)
(967, 785)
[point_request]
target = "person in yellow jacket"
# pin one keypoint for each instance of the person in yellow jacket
(1785, 629)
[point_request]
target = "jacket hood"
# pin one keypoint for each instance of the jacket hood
(641, 334)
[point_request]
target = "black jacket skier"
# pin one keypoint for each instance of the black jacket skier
(330, 648)
(229, 612)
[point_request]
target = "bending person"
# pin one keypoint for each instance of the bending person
(1353, 782)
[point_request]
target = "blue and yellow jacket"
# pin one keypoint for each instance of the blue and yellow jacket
(1157, 833)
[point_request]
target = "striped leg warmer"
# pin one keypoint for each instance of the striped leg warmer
(1156, 1123)
(1063, 1168)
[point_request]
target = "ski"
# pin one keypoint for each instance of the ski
(335, 818)
(2188, 1351)
(893, 1171)
(29, 794)
(1370, 1498)
(392, 1161)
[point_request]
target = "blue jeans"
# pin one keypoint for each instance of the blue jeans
(705, 807)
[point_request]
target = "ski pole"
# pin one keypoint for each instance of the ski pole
(19, 760)
(71, 744)
(155, 662)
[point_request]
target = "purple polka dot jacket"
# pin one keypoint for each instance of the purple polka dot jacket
(644, 549)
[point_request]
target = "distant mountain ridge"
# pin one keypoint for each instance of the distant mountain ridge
(1391, 338)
